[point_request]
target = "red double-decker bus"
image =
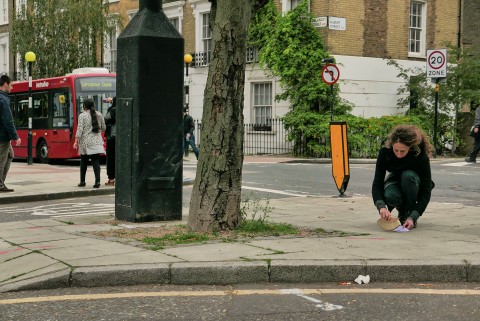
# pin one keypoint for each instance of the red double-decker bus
(56, 104)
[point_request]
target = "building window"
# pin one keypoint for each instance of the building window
(21, 73)
(175, 22)
(206, 32)
(203, 33)
(288, 5)
(21, 4)
(174, 11)
(4, 54)
(262, 103)
(131, 13)
(294, 3)
(3, 12)
(416, 42)
(112, 51)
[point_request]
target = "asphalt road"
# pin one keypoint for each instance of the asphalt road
(454, 184)
(300, 302)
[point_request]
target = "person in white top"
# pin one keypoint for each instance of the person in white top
(89, 140)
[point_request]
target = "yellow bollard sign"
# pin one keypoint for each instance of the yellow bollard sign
(339, 151)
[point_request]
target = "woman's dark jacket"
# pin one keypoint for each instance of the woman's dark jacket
(388, 162)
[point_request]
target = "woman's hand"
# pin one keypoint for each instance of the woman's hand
(385, 214)
(409, 223)
(75, 145)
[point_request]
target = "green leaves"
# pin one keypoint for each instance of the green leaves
(63, 34)
(292, 49)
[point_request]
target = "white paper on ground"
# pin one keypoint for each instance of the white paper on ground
(401, 229)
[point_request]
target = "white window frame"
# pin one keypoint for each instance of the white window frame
(174, 10)
(4, 12)
(4, 53)
(287, 5)
(199, 7)
(23, 71)
(206, 32)
(266, 104)
(19, 4)
(131, 13)
(110, 50)
(422, 29)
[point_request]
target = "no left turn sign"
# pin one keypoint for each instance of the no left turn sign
(437, 63)
(330, 74)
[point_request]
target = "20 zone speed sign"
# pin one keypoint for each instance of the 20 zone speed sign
(437, 63)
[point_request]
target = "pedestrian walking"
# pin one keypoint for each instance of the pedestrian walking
(472, 158)
(408, 185)
(188, 132)
(89, 141)
(7, 131)
(110, 133)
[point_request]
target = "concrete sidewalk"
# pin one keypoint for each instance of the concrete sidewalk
(51, 253)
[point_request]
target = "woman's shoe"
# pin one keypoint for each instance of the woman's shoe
(110, 182)
(81, 184)
(97, 185)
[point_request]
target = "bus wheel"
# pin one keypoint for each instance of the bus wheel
(42, 152)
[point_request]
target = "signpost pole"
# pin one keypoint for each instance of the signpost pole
(435, 119)
(331, 102)
(437, 69)
(338, 132)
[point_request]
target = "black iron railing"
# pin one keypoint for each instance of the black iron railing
(202, 59)
(260, 139)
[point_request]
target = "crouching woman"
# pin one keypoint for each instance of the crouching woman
(408, 185)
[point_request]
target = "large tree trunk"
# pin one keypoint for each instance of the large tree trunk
(216, 196)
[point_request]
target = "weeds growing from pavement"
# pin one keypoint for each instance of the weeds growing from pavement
(255, 222)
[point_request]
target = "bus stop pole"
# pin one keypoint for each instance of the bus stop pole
(30, 58)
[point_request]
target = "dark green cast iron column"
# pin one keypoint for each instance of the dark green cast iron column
(149, 171)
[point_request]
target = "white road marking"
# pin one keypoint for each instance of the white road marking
(456, 164)
(325, 306)
(273, 191)
(72, 209)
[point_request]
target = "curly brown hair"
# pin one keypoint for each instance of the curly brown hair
(410, 136)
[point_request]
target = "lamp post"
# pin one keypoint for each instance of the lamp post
(30, 58)
(187, 59)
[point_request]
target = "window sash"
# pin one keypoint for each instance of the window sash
(294, 3)
(206, 32)
(416, 26)
(3, 11)
(262, 103)
(175, 22)
(4, 58)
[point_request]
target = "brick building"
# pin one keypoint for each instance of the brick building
(359, 33)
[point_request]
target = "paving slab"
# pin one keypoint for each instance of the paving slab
(62, 252)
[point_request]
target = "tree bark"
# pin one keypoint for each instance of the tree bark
(216, 195)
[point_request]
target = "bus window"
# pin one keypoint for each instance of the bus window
(61, 102)
(40, 105)
(102, 101)
(19, 108)
(21, 111)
